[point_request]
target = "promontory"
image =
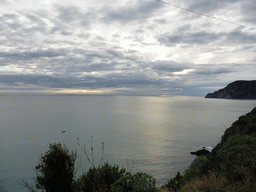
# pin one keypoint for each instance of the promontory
(236, 90)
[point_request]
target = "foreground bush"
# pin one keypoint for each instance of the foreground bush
(139, 182)
(209, 182)
(99, 179)
(199, 167)
(174, 184)
(56, 169)
(239, 157)
(55, 173)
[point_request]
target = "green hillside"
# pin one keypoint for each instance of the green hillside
(231, 166)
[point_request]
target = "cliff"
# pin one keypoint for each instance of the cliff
(236, 90)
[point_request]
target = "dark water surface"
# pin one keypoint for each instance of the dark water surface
(156, 133)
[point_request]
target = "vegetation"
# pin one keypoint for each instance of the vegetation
(140, 182)
(55, 173)
(99, 179)
(231, 166)
(56, 169)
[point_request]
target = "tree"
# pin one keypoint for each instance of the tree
(99, 179)
(56, 169)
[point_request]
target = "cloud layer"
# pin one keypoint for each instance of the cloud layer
(137, 46)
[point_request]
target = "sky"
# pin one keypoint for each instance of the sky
(179, 47)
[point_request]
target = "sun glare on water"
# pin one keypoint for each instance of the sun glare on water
(81, 91)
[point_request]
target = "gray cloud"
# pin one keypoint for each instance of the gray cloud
(184, 36)
(201, 37)
(112, 80)
(204, 6)
(248, 9)
(169, 66)
(33, 54)
(73, 15)
(212, 69)
(140, 77)
(240, 37)
(138, 12)
(86, 48)
(69, 14)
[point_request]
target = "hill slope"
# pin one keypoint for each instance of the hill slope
(231, 166)
(236, 90)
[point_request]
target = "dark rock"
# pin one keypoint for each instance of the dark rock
(236, 90)
(200, 152)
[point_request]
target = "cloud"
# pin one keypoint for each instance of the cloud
(69, 14)
(213, 69)
(248, 9)
(169, 66)
(201, 37)
(136, 44)
(140, 11)
(207, 6)
(184, 36)
(239, 37)
(33, 54)
(213, 8)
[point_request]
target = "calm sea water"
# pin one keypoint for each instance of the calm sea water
(154, 135)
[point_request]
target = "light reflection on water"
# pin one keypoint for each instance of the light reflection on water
(157, 133)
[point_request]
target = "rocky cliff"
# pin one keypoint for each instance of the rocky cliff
(236, 90)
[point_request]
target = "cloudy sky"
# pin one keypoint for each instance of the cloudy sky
(126, 47)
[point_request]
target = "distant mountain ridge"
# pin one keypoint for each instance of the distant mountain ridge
(236, 90)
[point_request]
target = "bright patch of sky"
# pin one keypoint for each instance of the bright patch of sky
(126, 47)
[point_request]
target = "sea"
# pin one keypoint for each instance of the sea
(150, 134)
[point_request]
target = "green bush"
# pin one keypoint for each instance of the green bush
(175, 183)
(199, 167)
(56, 169)
(99, 179)
(239, 157)
(139, 182)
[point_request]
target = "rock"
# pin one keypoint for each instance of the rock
(236, 90)
(200, 152)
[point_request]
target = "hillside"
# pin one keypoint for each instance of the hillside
(236, 90)
(231, 166)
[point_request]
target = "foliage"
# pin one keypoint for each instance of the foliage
(245, 125)
(99, 179)
(231, 166)
(210, 182)
(199, 167)
(56, 169)
(176, 183)
(139, 182)
(239, 156)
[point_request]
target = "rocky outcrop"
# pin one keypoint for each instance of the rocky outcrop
(236, 90)
(200, 152)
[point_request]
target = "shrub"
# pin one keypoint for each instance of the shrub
(176, 183)
(199, 167)
(238, 152)
(99, 179)
(56, 169)
(210, 182)
(139, 182)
